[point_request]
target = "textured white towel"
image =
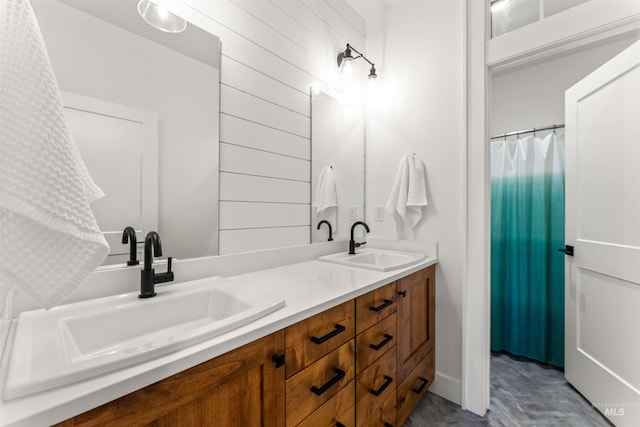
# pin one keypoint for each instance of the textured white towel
(49, 239)
(326, 195)
(409, 192)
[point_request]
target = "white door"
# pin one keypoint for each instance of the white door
(119, 145)
(602, 296)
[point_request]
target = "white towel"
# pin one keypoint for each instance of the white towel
(49, 239)
(409, 193)
(326, 195)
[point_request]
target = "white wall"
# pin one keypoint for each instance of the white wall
(418, 107)
(272, 52)
(533, 96)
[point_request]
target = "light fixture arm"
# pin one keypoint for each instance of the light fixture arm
(346, 56)
(360, 55)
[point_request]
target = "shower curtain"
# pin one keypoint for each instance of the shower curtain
(527, 229)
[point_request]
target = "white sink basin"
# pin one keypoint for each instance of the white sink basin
(81, 340)
(375, 259)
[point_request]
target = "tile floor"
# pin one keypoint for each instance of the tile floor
(524, 393)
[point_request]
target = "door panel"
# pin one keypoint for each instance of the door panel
(602, 295)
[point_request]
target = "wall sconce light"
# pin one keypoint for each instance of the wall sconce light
(160, 18)
(346, 57)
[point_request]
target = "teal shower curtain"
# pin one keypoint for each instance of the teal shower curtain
(527, 229)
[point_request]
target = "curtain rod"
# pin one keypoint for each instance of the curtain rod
(534, 130)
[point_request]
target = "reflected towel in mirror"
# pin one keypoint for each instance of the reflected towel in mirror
(326, 195)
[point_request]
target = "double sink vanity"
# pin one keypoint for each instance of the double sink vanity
(341, 340)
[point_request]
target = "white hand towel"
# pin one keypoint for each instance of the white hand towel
(326, 195)
(49, 239)
(409, 192)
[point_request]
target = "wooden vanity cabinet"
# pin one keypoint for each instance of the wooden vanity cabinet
(243, 387)
(366, 362)
(376, 358)
(416, 336)
(320, 361)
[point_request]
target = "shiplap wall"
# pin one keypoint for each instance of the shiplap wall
(272, 52)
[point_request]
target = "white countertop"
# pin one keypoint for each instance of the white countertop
(308, 287)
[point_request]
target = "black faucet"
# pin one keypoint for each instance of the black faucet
(148, 278)
(352, 243)
(129, 236)
(324, 221)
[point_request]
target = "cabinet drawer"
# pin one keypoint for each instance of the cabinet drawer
(339, 410)
(312, 338)
(414, 386)
(374, 386)
(310, 388)
(383, 415)
(375, 306)
(374, 342)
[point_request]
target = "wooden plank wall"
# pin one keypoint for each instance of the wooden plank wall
(272, 52)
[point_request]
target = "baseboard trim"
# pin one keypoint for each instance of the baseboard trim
(447, 388)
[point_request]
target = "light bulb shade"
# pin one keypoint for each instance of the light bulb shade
(498, 5)
(160, 18)
(348, 57)
(372, 73)
(345, 57)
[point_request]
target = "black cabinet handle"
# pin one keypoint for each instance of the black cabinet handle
(387, 382)
(339, 375)
(382, 306)
(422, 386)
(403, 294)
(388, 425)
(339, 328)
(278, 359)
(339, 424)
(384, 342)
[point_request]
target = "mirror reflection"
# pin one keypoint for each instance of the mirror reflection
(337, 169)
(143, 106)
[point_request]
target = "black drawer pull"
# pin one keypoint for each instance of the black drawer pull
(403, 294)
(387, 382)
(339, 375)
(339, 424)
(339, 328)
(382, 306)
(422, 386)
(385, 341)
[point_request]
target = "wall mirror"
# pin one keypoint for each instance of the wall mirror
(337, 142)
(143, 106)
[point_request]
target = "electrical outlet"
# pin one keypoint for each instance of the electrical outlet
(379, 213)
(353, 213)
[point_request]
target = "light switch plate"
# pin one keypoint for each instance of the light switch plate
(379, 213)
(353, 213)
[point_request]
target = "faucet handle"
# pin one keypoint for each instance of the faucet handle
(360, 244)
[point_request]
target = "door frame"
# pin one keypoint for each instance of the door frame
(476, 292)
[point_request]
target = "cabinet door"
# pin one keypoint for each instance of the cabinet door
(415, 319)
(241, 388)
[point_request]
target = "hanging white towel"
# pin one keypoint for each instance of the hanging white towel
(49, 239)
(326, 195)
(409, 192)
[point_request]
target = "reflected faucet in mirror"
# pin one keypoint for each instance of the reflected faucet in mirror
(324, 221)
(148, 278)
(352, 243)
(129, 236)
